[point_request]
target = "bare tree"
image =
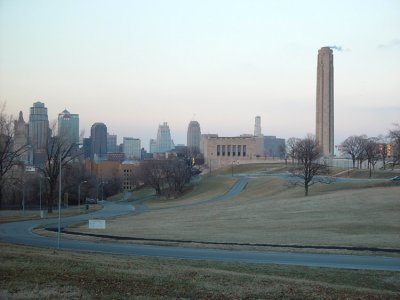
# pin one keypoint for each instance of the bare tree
(394, 135)
(383, 149)
(152, 174)
(58, 152)
(10, 153)
(308, 152)
(372, 153)
(355, 147)
(291, 148)
(167, 176)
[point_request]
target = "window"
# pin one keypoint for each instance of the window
(233, 150)
(218, 150)
(223, 150)
(239, 149)
(244, 150)
(229, 150)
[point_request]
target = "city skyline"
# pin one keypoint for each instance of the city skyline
(135, 65)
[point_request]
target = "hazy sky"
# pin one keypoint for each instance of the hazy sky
(136, 64)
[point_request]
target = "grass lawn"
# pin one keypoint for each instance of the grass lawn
(271, 211)
(30, 273)
(19, 215)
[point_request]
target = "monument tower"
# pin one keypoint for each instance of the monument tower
(324, 120)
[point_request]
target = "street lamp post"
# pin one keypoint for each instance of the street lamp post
(40, 196)
(59, 210)
(97, 198)
(79, 195)
(236, 163)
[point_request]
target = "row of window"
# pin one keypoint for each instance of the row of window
(231, 150)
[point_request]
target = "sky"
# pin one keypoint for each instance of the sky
(136, 64)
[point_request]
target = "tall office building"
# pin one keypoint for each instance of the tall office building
(153, 146)
(68, 127)
(39, 131)
(98, 136)
(112, 143)
(131, 148)
(325, 109)
(21, 139)
(194, 136)
(164, 142)
(257, 127)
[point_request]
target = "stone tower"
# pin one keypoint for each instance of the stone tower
(257, 127)
(325, 108)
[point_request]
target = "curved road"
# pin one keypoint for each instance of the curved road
(21, 233)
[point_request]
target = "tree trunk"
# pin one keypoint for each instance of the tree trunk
(50, 200)
(306, 189)
(370, 171)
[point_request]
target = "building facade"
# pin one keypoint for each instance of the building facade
(164, 141)
(219, 151)
(68, 127)
(112, 143)
(98, 136)
(39, 132)
(274, 147)
(325, 107)
(194, 136)
(21, 139)
(131, 148)
(257, 127)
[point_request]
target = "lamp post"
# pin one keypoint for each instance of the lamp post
(79, 195)
(40, 194)
(236, 163)
(97, 198)
(59, 210)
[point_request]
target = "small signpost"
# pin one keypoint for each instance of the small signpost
(97, 224)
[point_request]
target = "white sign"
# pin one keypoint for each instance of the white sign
(97, 224)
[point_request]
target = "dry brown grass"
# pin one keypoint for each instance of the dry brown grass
(19, 215)
(29, 273)
(273, 212)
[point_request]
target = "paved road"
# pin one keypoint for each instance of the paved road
(21, 233)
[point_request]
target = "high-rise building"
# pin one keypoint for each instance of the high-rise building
(194, 136)
(131, 148)
(257, 127)
(153, 146)
(98, 136)
(325, 109)
(39, 131)
(112, 143)
(21, 139)
(87, 148)
(164, 142)
(68, 127)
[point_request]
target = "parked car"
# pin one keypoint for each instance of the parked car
(90, 201)
(395, 178)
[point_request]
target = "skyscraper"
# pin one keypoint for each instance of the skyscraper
(112, 143)
(21, 139)
(131, 148)
(164, 142)
(257, 127)
(68, 127)
(39, 130)
(325, 109)
(98, 136)
(153, 146)
(194, 136)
